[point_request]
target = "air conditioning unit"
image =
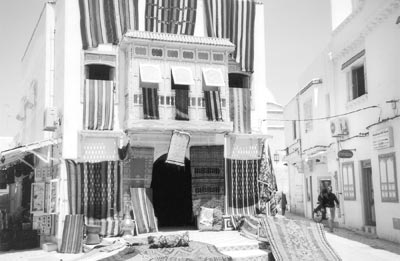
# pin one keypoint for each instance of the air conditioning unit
(339, 127)
(50, 119)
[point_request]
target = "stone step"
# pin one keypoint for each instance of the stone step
(249, 255)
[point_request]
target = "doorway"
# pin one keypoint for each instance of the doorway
(368, 193)
(172, 196)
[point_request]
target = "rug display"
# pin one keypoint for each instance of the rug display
(297, 240)
(106, 21)
(94, 189)
(240, 108)
(242, 186)
(177, 148)
(213, 105)
(72, 234)
(208, 177)
(143, 210)
(138, 168)
(195, 251)
(174, 16)
(150, 104)
(98, 105)
(233, 19)
(267, 183)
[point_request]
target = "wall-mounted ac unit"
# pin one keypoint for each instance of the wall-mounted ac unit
(339, 127)
(50, 119)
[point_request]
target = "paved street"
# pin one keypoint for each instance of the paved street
(353, 246)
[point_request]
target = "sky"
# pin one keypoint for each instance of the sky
(295, 32)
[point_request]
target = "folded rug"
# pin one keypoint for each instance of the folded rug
(143, 210)
(72, 234)
(297, 240)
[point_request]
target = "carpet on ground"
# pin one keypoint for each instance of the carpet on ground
(297, 240)
(143, 210)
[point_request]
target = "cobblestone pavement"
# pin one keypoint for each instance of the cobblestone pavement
(351, 245)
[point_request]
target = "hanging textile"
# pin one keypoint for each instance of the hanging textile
(208, 177)
(177, 148)
(72, 234)
(182, 104)
(171, 16)
(213, 105)
(267, 183)
(143, 210)
(98, 105)
(239, 99)
(233, 19)
(150, 103)
(106, 21)
(94, 190)
(242, 186)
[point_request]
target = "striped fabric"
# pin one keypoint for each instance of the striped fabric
(233, 19)
(143, 210)
(150, 104)
(182, 104)
(94, 190)
(171, 16)
(105, 21)
(72, 234)
(98, 105)
(242, 190)
(213, 105)
(240, 109)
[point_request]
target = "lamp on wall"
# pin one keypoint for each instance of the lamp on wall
(276, 157)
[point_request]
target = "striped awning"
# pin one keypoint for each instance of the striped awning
(213, 77)
(182, 75)
(150, 73)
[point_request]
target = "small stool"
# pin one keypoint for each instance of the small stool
(92, 234)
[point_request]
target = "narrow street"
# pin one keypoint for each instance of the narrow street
(354, 246)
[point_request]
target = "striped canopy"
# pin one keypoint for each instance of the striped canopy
(105, 21)
(233, 19)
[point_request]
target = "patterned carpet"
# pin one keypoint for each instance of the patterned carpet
(297, 240)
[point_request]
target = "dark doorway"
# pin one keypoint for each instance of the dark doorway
(172, 195)
(368, 191)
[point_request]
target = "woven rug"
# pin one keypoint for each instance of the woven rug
(177, 148)
(208, 177)
(72, 234)
(143, 210)
(94, 190)
(297, 240)
(195, 251)
(242, 186)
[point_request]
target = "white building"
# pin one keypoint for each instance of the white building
(57, 69)
(353, 99)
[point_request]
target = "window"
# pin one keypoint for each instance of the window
(188, 55)
(240, 102)
(98, 97)
(308, 114)
(349, 189)
(294, 127)
(150, 77)
(388, 178)
(356, 82)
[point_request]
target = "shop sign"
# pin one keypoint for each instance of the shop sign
(383, 138)
(345, 154)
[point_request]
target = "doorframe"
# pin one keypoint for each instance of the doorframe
(363, 194)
